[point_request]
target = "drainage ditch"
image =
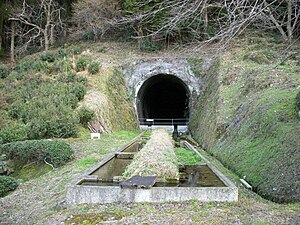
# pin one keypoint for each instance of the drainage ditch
(104, 182)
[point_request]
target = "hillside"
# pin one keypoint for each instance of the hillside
(248, 118)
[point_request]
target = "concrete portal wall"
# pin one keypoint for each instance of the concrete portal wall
(136, 73)
(139, 71)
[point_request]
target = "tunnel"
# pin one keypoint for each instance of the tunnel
(163, 98)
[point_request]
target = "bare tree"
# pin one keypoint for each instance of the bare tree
(95, 15)
(286, 22)
(228, 18)
(37, 22)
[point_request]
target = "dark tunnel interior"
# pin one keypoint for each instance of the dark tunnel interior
(163, 96)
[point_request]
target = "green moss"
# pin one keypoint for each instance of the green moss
(122, 113)
(31, 171)
(263, 138)
(87, 162)
(196, 66)
(95, 218)
(187, 157)
(203, 123)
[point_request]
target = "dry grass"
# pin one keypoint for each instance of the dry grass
(156, 158)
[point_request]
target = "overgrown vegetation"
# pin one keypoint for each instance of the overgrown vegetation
(187, 157)
(7, 185)
(39, 98)
(54, 152)
(157, 158)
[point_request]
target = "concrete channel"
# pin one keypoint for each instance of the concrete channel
(100, 183)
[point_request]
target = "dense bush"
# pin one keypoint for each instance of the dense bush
(85, 115)
(54, 152)
(13, 131)
(94, 67)
(82, 63)
(30, 65)
(46, 107)
(7, 184)
(4, 71)
(49, 56)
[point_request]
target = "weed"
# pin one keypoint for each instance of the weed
(82, 63)
(187, 157)
(94, 67)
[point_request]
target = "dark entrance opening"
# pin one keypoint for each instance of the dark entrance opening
(164, 98)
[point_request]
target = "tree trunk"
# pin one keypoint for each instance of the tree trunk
(52, 35)
(1, 29)
(46, 39)
(12, 43)
(289, 21)
(205, 16)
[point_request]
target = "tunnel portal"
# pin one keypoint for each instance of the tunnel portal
(164, 98)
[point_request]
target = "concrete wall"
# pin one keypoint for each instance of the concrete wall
(136, 73)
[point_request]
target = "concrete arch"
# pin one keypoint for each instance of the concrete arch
(177, 73)
(163, 96)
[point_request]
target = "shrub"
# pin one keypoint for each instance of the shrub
(4, 71)
(14, 131)
(70, 77)
(78, 90)
(49, 56)
(50, 120)
(85, 115)
(298, 103)
(54, 152)
(82, 63)
(60, 66)
(147, 45)
(77, 50)
(94, 67)
(30, 65)
(7, 184)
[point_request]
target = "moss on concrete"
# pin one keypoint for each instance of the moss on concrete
(122, 113)
(203, 123)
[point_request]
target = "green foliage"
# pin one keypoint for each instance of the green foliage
(148, 45)
(13, 131)
(265, 139)
(31, 65)
(77, 50)
(196, 65)
(4, 71)
(85, 115)
(54, 152)
(82, 63)
(45, 107)
(187, 157)
(94, 67)
(49, 56)
(260, 56)
(298, 102)
(7, 185)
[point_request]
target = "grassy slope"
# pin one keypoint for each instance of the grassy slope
(256, 132)
(37, 199)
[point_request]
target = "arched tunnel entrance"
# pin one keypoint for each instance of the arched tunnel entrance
(164, 99)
